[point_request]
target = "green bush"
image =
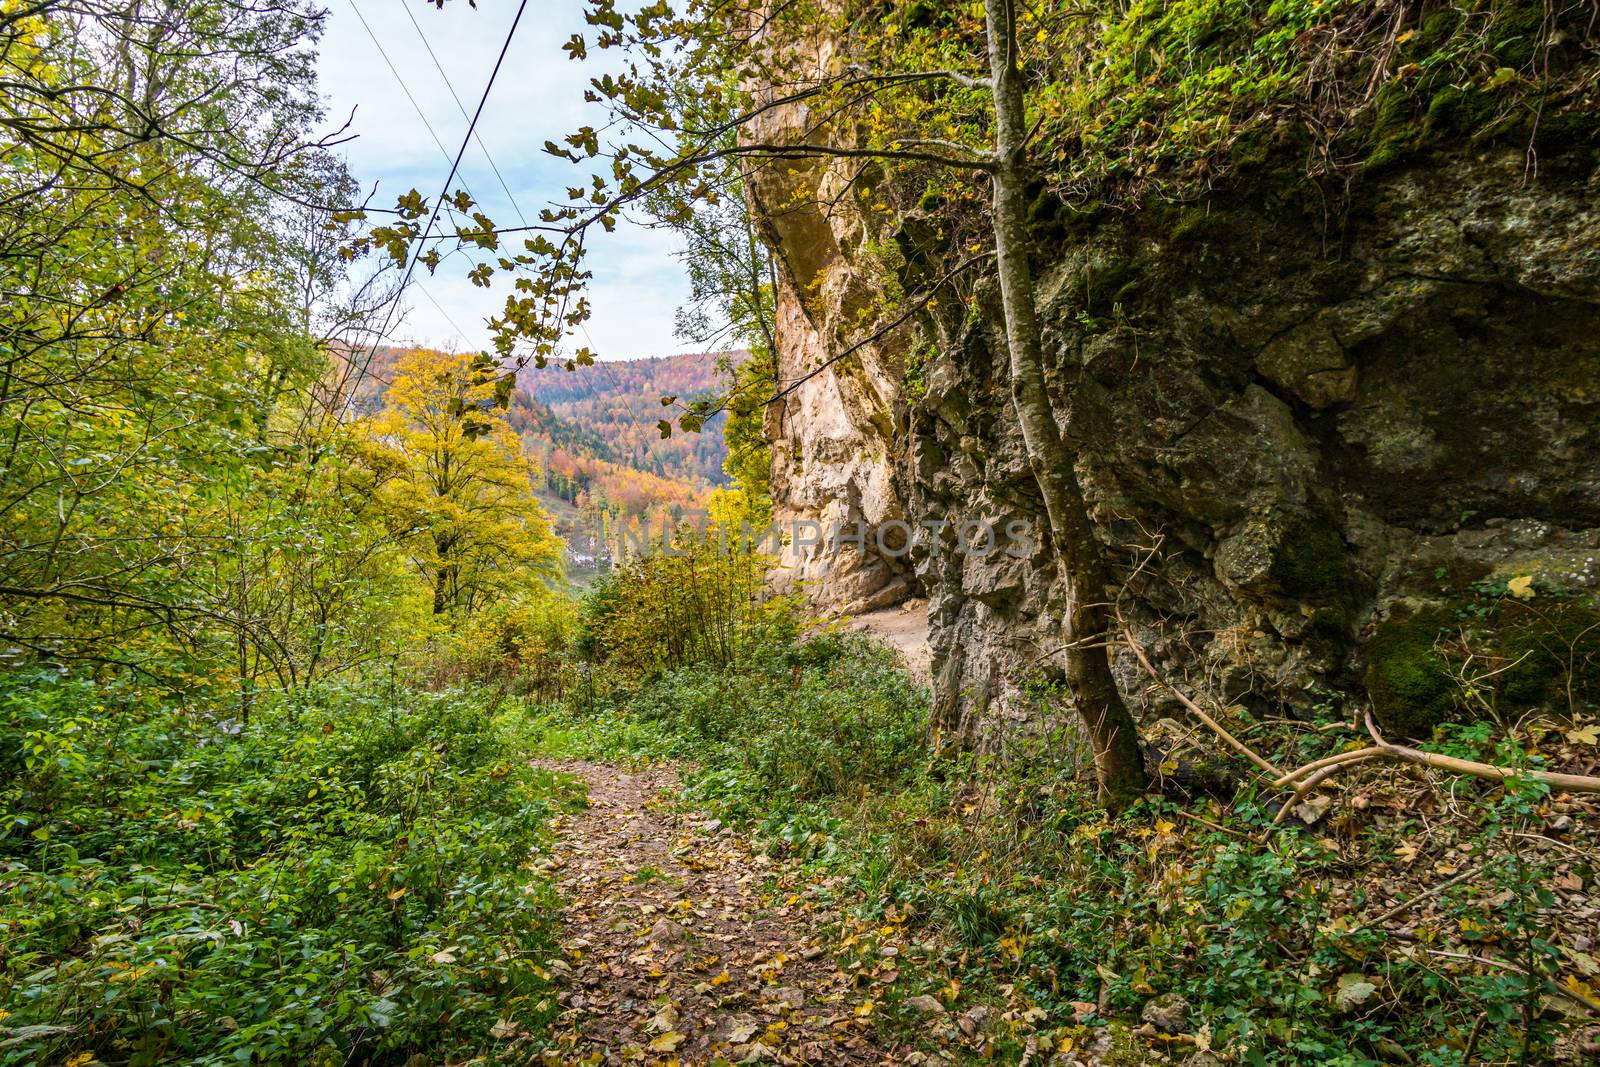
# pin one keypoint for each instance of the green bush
(797, 723)
(703, 602)
(338, 879)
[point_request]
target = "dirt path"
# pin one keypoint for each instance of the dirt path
(687, 947)
(905, 627)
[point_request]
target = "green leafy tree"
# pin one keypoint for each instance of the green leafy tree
(172, 371)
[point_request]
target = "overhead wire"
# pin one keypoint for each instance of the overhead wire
(471, 136)
(462, 108)
(454, 95)
(404, 88)
(438, 203)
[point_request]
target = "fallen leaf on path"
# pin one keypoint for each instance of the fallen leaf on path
(667, 1042)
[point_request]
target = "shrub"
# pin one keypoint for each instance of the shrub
(790, 723)
(523, 646)
(701, 603)
(339, 879)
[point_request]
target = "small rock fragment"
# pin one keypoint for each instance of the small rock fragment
(925, 1004)
(1168, 1013)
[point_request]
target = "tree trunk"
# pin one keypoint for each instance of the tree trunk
(441, 590)
(1118, 762)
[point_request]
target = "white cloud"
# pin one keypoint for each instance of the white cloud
(638, 284)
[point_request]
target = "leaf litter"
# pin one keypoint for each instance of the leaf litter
(685, 944)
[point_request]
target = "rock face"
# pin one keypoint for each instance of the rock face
(831, 437)
(1290, 435)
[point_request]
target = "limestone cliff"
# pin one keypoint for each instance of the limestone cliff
(1300, 420)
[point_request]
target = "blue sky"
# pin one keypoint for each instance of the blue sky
(638, 283)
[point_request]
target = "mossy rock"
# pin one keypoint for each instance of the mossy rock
(1049, 218)
(1202, 224)
(1515, 32)
(1543, 652)
(1551, 650)
(1412, 686)
(1125, 1050)
(1312, 565)
(1460, 110)
(1104, 282)
(1396, 131)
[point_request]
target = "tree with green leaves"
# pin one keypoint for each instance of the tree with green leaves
(177, 304)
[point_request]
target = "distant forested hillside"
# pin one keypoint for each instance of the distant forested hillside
(593, 435)
(620, 403)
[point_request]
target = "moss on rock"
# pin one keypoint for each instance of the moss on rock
(1394, 126)
(1551, 649)
(1529, 653)
(1201, 224)
(1411, 684)
(1459, 110)
(1311, 564)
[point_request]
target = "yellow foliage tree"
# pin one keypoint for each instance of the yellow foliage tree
(456, 479)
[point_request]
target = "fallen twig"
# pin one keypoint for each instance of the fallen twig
(1329, 761)
(1324, 769)
(1546, 840)
(1424, 895)
(1570, 783)
(1199, 712)
(1217, 826)
(1302, 780)
(1553, 987)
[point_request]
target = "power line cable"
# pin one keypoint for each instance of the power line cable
(432, 133)
(453, 324)
(433, 216)
(404, 88)
(462, 108)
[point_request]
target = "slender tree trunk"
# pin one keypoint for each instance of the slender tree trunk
(441, 590)
(1111, 729)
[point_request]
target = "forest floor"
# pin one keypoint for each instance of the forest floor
(686, 944)
(683, 942)
(769, 866)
